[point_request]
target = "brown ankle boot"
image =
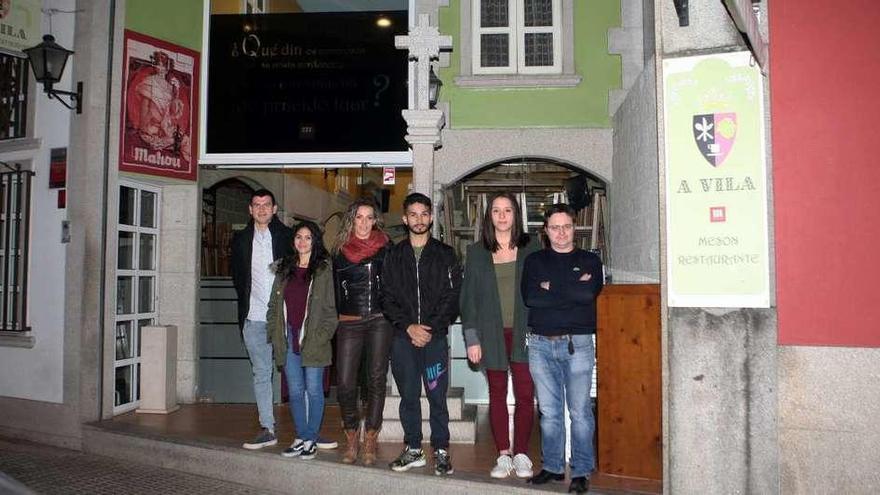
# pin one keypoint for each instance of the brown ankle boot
(371, 445)
(351, 449)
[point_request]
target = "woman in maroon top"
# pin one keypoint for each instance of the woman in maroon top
(301, 322)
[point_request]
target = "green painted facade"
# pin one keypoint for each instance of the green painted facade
(175, 21)
(583, 106)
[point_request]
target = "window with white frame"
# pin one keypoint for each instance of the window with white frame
(517, 36)
(136, 284)
(254, 6)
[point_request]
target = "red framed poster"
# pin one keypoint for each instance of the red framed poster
(160, 94)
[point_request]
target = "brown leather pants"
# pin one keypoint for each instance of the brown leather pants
(368, 339)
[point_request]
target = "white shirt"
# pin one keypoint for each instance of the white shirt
(261, 276)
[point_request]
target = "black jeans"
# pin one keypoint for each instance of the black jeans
(412, 368)
(370, 338)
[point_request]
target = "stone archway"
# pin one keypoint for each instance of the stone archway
(537, 181)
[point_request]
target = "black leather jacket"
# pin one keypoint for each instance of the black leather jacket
(358, 289)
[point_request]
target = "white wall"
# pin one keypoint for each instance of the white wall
(37, 373)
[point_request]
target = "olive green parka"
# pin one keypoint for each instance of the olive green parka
(320, 320)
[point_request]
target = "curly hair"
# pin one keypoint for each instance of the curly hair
(347, 224)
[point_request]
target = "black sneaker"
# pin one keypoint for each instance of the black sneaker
(442, 463)
(407, 459)
(326, 443)
(294, 450)
(309, 450)
(266, 438)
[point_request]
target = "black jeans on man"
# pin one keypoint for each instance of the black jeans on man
(412, 368)
(370, 338)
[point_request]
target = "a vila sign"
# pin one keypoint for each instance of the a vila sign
(159, 108)
(19, 25)
(716, 201)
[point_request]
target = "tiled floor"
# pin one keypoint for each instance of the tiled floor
(50, 470)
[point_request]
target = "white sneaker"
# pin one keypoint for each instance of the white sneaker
(522, 465)
(503, 467)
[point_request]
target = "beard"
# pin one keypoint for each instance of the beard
(419, 228)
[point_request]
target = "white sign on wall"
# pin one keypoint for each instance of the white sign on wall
(716, 188)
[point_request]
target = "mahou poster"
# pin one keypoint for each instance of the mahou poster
(159, 114)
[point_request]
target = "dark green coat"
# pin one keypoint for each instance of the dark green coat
(320, 323)
(481, 320)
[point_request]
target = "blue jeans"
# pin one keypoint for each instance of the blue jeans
(305, 387)
(259, 351)
(560, 376)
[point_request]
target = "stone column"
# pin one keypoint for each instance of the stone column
(423, 136)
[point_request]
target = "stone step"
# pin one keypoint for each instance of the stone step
(454, 403)
(265, 470)
(462, 430)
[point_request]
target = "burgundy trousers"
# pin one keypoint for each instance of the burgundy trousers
(524, 410)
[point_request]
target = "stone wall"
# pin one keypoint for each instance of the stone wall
(634, 217)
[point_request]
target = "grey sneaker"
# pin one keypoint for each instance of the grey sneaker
(522, 465)
(407, 459)
(503, 467)
(266, 438)
(326, 443)
(442, 463)
(309, 450)
(294, 450)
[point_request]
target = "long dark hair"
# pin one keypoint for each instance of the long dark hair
(318, 255)
(518, 238)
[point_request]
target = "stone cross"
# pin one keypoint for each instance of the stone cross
(424, 43)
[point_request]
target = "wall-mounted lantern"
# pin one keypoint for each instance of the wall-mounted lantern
(48, 60)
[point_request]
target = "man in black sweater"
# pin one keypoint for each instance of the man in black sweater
(421, 280)
(560, 286)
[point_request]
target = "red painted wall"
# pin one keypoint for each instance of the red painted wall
(825, 104)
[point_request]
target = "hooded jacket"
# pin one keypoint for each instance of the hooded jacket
(319, 323)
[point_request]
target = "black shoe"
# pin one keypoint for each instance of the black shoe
(407, 459)
(442, 463)
(544, 476)
(266, 438)
(580, 484)
(309, 450)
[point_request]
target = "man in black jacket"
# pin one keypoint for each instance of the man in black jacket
(264, 240)
(421, 281)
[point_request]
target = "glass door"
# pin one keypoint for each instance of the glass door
(136, 285)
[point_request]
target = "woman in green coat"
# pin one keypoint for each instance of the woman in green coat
(301, 321)
(494, 319)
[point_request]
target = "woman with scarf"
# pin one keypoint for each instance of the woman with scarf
(301, 321)
(363, 332)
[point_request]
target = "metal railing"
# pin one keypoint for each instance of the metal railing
(13, 96)
(15, 200)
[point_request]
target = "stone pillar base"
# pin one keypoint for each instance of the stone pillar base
(158, 370)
